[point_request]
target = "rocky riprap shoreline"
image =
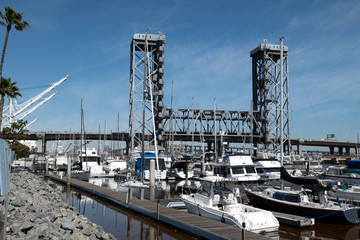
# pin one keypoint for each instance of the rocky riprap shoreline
(37, 211)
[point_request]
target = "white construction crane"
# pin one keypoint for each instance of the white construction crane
(14, 111)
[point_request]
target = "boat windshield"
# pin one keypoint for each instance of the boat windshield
(238, 170)
(250, 170)
(271, 169)
(91, 159)
(221, 190)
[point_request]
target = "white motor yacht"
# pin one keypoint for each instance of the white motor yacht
(268, 168)
(216, 201)
(237, 167)
(89, 160)
(112, 164)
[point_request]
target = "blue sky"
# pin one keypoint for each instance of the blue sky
(206, 55)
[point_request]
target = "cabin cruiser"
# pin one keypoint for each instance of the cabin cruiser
(160, 170)
(89, 160)
(110, 165)
(181, 169)
(303, 203)
(61, 160)
(238, 167)
(349, 174)
(268, 168)
(215, 200)
(307, 165)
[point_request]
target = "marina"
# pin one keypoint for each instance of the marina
(105, 202)
(176, 170)
(191, 224)
(319, 230)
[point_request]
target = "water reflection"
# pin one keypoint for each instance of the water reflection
(321, 231)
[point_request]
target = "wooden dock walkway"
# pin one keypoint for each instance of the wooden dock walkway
(200, 227)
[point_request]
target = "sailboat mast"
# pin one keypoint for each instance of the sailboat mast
(143, 115)
(281, 103)
(281, 107)
(118, 137)
(81, 131)
(152, 108)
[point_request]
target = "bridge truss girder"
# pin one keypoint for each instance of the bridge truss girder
(208, 125)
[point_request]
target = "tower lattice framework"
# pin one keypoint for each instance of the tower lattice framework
(267, 90)
(146, 87)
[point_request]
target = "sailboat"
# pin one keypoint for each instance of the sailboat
(82, 165)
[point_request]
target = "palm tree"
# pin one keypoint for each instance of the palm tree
(7, 89)
(11, 17)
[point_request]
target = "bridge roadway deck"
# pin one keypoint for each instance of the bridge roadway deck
(124, 136)
(192, 224)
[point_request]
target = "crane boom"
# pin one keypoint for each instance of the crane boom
(36, 106)
(31, 101)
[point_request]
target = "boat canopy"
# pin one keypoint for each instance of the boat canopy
(354, 164)
(290, 197)
(147, 164)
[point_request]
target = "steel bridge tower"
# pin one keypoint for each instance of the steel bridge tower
(271, 94)
(146, 87)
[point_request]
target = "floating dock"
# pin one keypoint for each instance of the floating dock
(200, 227)
(294, 220)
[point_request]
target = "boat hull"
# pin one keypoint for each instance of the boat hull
(344, 179)
(338, 216)
(261, 221)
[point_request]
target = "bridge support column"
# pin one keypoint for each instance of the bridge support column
(41, 143)
(331, 149)
(299, 149)
(340, 150)
(347, 149)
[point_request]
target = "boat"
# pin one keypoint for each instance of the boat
(160, 172)
(267, 168)
(131, 182)
(307, 165)
(238, 167)
(180, 169)
(299, 179)
(61, 159)
(203, 169)
(89, 160)
(346, 192)
(349, 174)
(110, 165)
(215, 200)
(303, 203)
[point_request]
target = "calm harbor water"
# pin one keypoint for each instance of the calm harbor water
(126, 225)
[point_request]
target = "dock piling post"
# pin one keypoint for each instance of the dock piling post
(157, 209)
(68, 179)
(46, 167)
(152, 180)
(129, 195)
(243, 230)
